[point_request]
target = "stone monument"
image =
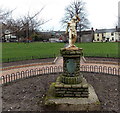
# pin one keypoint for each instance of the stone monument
(71, 92)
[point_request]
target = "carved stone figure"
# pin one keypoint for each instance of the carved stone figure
(72, 30)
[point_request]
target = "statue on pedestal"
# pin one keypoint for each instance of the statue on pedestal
(71, 91)
(72, 30)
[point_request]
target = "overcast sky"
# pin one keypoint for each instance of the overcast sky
(101, 13)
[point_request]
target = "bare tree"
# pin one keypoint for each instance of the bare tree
(25, 26)
(77, 7)
(4, 15)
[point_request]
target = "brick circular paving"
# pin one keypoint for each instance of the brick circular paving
(58, 62)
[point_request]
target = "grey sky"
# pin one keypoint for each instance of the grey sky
(101, 13)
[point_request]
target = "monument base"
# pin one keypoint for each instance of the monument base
(90, 103)
(71, 92)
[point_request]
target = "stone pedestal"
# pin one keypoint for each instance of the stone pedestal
(79, 90)
(71, 65)
(71, 92)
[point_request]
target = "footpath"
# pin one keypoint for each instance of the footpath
(57, 62)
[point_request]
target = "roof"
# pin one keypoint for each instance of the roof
(118, 29)
(87, 32)
(105, 30)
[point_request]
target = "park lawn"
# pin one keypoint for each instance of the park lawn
(23, 50)
(27, 50)
(98, 49)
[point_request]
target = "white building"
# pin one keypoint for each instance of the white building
(107, 35)
(9, 37)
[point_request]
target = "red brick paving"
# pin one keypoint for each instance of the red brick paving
(59, 61)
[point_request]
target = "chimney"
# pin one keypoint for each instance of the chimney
(92, 29)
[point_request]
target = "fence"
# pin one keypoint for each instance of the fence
(107, 55)
(56, 69)
(7, 60)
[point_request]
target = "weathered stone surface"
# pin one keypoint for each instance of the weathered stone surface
(69, 95)
(71, 92)
(68, 51)
(67, 86)
(75, 89)
(85, 103)
(76, 86)
(71, 63)
(85, 85)
(71, 80)
(60, 92)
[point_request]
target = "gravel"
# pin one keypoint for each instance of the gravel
(28, 94)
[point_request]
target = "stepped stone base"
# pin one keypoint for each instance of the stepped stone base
(73, 104)
(71, 90)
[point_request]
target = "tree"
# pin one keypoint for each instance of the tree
(77, 7)
(26, 25)
(4, 15)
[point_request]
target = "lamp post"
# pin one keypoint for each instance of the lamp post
(0, 60)
(119, 14)
(0, 28)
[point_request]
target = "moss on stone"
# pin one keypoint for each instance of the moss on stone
(51, 91)
(97, 103)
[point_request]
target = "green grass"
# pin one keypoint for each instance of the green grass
(22, 51)
(109, 49)
(25, 51)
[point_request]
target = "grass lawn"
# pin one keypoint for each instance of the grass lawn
(22, 51)
(26, 51)
(109, 49)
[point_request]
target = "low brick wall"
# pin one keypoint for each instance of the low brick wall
(71, 90)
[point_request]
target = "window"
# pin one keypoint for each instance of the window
(97, 34)
(112, 33)
(98, 39)
(102, 35)
(103, 38)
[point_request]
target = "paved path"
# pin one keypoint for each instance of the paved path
(58, 62)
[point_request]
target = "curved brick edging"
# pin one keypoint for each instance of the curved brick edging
(55, 61)
(20, 74)
(100, 62)
(28, 65)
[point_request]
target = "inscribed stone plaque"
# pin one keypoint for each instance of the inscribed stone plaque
(71, 66)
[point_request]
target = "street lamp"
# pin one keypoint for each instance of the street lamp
(1, 21)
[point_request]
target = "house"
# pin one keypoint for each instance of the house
(107, 35)
(85, 36)
(7, 35)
